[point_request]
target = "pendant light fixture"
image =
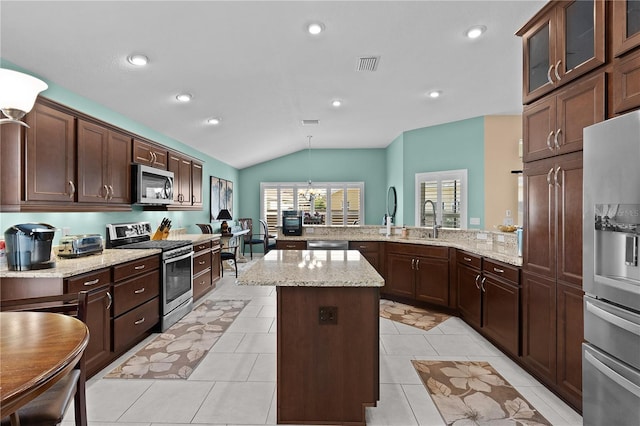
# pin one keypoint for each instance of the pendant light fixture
(309, 194)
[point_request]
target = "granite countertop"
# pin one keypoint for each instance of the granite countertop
(194, 238)
(317, 268)
(68, 267)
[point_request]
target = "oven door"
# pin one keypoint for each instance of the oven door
(177, 281)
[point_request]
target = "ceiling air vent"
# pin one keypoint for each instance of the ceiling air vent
(368, 63)
(310, 122)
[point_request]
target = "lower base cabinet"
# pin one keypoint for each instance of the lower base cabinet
(206, 267)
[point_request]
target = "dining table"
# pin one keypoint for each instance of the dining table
(36, 350)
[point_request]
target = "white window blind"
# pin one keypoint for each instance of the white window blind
(448, 192)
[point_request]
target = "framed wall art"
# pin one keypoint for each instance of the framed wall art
(221, 197)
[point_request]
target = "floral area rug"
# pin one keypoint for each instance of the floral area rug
(175, 353)
(410, 315)
(474, 393)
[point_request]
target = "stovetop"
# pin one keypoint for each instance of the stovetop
(164, 245)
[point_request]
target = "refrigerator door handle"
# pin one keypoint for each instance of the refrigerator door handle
(613, 319)
(620, 380)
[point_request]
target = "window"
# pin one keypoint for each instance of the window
(332, 203)
(448, 192)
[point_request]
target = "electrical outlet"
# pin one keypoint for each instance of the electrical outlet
(66, 231)
(328, 315)
(310, 230)
(481, 236)
(508, 213)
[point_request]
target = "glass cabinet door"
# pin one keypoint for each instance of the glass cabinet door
(626, 25)
(538, 53)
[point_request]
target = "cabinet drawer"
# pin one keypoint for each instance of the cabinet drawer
(418, 250)
(128, 327)
(291, 245)
(202, 284)
(364, 246)
(499, 269)
(140, 266)
(88, 281)
(198, 247)
(466, 258)
(201, 262)
(131, 293)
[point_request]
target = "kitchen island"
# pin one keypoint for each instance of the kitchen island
(327, 333)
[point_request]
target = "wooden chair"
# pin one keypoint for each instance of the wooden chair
(247, 223)
(230, 252)
(268, 240)
(205, 228)
(49, 408)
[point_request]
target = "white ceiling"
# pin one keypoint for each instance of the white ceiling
(254, 65)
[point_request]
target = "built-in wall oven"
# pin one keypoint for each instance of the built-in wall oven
(611, 274)
(176, 289)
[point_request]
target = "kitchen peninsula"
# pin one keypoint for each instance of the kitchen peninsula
(328, 333)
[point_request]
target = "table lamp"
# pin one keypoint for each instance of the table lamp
(224, 215)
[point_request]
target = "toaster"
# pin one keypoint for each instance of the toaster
(79, 245)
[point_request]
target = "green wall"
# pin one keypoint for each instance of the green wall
(395, 173)
(326, 165)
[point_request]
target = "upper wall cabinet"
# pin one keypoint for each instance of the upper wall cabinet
(565, 40)
(187, 184)
(149, 154)
(626, 25)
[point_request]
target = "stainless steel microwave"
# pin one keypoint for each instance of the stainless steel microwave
(151, 186)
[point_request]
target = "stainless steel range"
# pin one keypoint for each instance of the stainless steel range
(176, 290)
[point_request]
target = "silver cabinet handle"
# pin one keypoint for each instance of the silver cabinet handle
(555, 176)
(110, 301)
(73, 189)
(555, 71)
(151, 157)
(549, 176)
(139, 291)
(477, 278)
(413, 264)
(139, 267)
(362, 247)
(202, 262)
(549, 141)
(482, 284)
(468, 259)
(549, 74)
(500, 271)
(140, 321)
(555, 139)
(417, 264)
(106, 192)
(92, 282)
(111, 190)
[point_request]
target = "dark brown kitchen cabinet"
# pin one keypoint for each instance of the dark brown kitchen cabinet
(50, 146)
(202, 263)
(104, 162)
(469, 273)
(196, 184)
(98, 283)
(291, 245)
(370, 250)
(149, 154)
(553, 125)
(626, 26)
(570, 334)
(418, 272)
(181, 168)
(626, 83)
(565, 40)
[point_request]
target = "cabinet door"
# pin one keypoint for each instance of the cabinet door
(215, 265)
(501, 313)
(568, 183)
(149, 155)
(469, 303)
(432, 280)
(539, 324)
(119, 168)
(579, 105)
(570, 338)
(51, 155)
(580, 38)
(626, 25)
(185, 182)
(92, 162)
(99, 323)
(539, 55)
(539, 245)
(196, 184)
(539, 126)
(626, 83)
(400, 275)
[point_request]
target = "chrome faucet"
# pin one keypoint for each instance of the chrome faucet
(424, 217)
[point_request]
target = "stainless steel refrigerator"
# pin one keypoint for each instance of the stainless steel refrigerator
(611, 275)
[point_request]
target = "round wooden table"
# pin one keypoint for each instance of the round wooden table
(37, 349)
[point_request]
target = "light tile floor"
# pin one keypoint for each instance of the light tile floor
(235, 384)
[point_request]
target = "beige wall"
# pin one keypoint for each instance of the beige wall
(501, 139)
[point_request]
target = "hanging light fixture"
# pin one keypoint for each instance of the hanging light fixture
(18, 93)
(309, 194)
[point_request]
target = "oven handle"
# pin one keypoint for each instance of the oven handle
(620, 380)
(613, 319)
(178, 258)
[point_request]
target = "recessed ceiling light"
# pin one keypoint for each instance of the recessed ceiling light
(315, 28)
(435, 94)
(184, 97)
(138, 60)
(214, 121)
(475, 32)
(336, 103)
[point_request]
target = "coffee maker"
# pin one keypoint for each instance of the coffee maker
(29, 246)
